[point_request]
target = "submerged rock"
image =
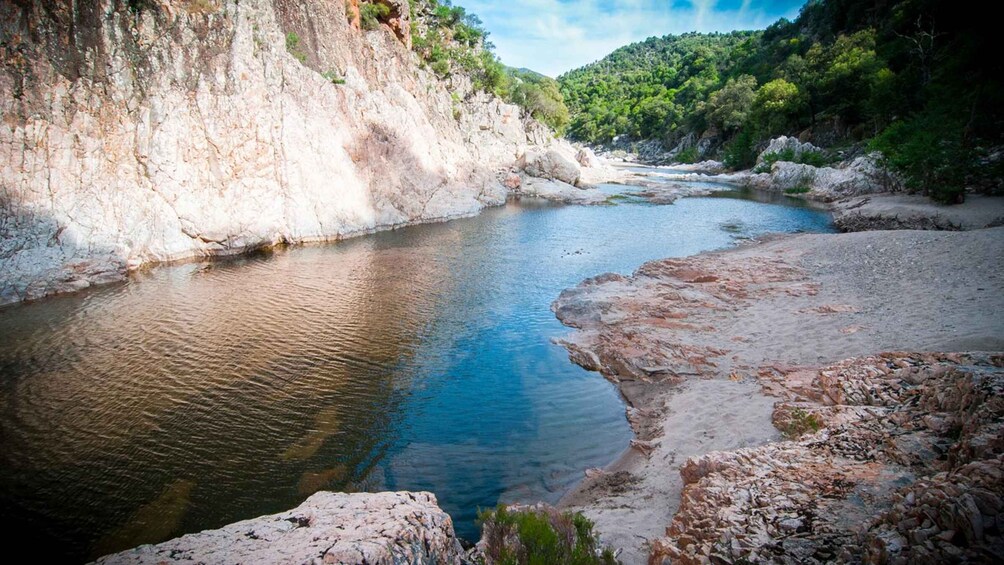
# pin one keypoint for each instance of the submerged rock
(383, 528)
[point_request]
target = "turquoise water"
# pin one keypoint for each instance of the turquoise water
(418, 359)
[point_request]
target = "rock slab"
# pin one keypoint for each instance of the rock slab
(377, 528)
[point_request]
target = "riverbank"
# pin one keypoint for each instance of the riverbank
(686, 341)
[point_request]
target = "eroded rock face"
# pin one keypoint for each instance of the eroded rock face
(177, 129)
(907, 468)
(384, 528)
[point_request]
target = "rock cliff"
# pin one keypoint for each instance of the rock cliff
(138, 131)
(381, 528)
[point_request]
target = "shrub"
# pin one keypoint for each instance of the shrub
(688, 155)
(739, 152)
(799, 422)
(333, 77)
(543, 536)
(928, 151)
(797, 190)
(371, 15)
(293, 47)
(813, 158)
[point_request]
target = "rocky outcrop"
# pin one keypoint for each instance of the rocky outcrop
(915, 212)
(787, 144)
(686, 340)
(907, 468)
(862, 175)
(384, 528)
(152, 131)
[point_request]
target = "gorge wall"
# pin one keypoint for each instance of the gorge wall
(139, 131)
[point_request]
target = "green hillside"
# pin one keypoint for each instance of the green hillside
(917, 79)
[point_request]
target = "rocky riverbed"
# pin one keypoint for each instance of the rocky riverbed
(699, 345)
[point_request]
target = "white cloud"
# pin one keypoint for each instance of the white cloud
(552, 36)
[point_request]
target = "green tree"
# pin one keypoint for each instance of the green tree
(776, 104)
(729, 107)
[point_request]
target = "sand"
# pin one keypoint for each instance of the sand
(684, 340)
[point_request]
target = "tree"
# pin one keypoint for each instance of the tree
(729, 107)
(775, 104)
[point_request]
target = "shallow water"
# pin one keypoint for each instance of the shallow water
(419, 359)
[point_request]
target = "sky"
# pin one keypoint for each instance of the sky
(554, 36)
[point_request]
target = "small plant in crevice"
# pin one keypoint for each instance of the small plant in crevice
(294, 47)
(333, 77)
(370, 15)
(798, 423)
(458, 112)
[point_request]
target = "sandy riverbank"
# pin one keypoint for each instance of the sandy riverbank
(686, 339)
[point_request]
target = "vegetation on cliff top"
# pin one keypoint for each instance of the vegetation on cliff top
(450, 41)
(913, 76)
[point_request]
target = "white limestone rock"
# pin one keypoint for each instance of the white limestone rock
(189, 129)
(385, 528)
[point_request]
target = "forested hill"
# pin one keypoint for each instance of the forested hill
(918, 79)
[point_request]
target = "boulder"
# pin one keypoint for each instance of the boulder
(785, 143)
(378, 528)
(562, 192)
(552, 164)
(587, 158)
(512, 181)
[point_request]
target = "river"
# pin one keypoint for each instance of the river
(199, 394)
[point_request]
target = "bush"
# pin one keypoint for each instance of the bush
(333, 77)
(371, 15)
(687, 155)
(797, 190)
(294, 48)
(928, 151)
(543, 536)
(739, 152)
(800, 422)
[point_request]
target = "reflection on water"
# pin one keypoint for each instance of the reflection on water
(419, 359)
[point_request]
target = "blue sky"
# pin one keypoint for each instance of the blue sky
(554, 36)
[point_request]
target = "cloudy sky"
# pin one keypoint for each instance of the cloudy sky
(554, 36)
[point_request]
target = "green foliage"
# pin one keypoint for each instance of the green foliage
(740, 153)
(928, 151)
(540, 97)
(729, 107)
(776, 104)
(814, 158)
(371, 14)
(800, 422)
(333, 77)
(688, 155)
(540, 537)
(910, 72)
(450, 40)
(294, 48)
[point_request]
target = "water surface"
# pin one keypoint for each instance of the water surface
(419, 359)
